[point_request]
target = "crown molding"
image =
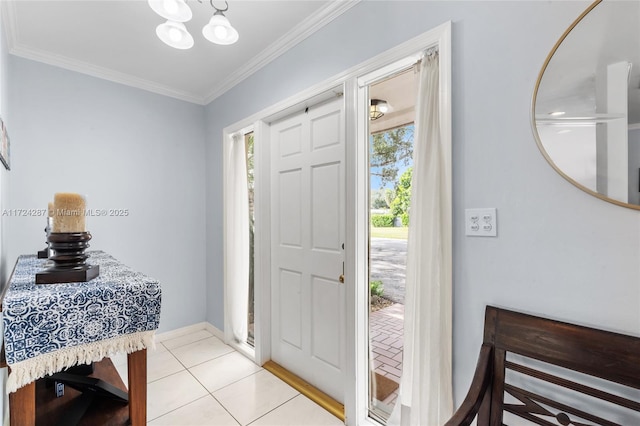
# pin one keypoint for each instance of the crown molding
(103, 73)
(303, 30)
(9, 22)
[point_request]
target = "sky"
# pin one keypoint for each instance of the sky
(376, 181)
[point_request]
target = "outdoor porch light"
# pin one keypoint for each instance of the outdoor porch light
(378, 108)
(175, 34)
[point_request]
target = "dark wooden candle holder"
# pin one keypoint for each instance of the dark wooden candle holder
(69, 259)
(44, 254)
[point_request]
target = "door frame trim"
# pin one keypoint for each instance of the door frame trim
(380, 67)
(227, 143)
(356, 264)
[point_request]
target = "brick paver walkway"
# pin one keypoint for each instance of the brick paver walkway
(386, 327)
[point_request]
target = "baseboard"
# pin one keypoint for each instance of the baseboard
(179, 332)
(214, 330)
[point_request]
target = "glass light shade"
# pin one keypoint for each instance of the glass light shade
(378, 108)
(220, 31)
(175, 34)
(173, 10)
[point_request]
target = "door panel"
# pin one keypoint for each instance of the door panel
(307, 198)
(325, 130)
(290, 330)
(290, 207)
(325, 207)
(290, 139)
(325, 323)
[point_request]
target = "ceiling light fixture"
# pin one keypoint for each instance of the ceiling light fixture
(378, 108)
(175, 34)
(219, 29)
(173, 10)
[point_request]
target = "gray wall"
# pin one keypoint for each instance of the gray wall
(559, 251)
(125, 149)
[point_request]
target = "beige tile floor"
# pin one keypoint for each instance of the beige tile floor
(197, 380)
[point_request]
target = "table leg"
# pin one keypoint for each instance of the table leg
(137, 366)
(22, 405)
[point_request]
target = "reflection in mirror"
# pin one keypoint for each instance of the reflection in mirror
(587, 103)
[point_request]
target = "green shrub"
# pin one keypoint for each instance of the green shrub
(405, 219)
(382, 220)
(376, 288)
(402, 201)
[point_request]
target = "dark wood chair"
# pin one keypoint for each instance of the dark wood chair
(530, 367)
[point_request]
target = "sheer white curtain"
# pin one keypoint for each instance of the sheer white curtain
(237, 240)
(425, 387)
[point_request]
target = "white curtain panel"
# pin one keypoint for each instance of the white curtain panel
(237, 240)
(426, 385)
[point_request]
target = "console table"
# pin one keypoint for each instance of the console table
(50, 327)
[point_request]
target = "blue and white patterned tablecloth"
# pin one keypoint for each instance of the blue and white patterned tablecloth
(50, 327)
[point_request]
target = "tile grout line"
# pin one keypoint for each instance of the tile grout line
(229, 384)
(181, 406)
(191, 343)
(275, 408)
(224, 408)
(183, 365)
(185, 368)
(203, 362)
(197, 340)
(211, 393)
(175, 409)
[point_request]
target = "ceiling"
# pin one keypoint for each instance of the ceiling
(400, 93)
(116, 40)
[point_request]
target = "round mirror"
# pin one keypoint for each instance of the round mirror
(586, 105)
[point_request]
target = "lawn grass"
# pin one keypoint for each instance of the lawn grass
(399, 233)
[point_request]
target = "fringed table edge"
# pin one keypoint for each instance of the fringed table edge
(27, 371)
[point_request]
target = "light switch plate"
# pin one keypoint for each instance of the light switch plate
(481, 222)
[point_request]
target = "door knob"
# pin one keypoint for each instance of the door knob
(341, 278)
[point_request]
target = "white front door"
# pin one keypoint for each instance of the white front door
(307, 231)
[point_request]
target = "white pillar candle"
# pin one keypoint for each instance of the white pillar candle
(69, 211)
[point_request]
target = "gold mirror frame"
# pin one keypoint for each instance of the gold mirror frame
(533, 116)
